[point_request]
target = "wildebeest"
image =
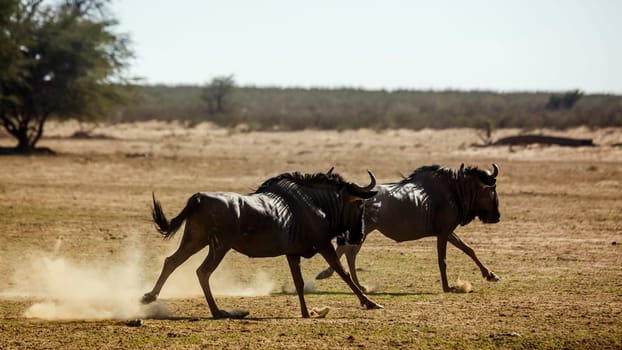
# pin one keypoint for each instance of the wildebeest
(292, 214)
(432, 201)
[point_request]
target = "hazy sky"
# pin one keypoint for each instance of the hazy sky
(471, 44)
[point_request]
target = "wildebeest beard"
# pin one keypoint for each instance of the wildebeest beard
(355, 234)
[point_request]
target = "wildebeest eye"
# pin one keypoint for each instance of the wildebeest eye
(487, 180)
(491, 189)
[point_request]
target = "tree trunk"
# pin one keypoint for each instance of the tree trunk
(27, 132)
(23, 141)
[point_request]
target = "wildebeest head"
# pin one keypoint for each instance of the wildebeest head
(354, 210)
(484, 202)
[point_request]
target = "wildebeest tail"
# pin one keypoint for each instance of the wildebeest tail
(169, 228)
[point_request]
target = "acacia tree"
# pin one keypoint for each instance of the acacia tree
(218, 95)
(61, 60)
(565, 101)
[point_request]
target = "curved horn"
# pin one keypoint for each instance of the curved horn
(495, 170)
(369, 187)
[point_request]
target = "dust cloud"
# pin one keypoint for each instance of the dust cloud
(69, 289)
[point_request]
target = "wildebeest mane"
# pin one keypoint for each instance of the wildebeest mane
(437, 170)
(428, 170)
(312, 180)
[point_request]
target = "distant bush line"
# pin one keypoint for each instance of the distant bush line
(297, 108)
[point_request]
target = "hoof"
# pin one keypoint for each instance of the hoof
(134, 323)
(148, 298)
(320, 312)
(324, 274)
(461, 289)
(373, 306)
(235, 314)
(492, 277)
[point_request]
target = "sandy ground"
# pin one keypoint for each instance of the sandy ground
(79, 250)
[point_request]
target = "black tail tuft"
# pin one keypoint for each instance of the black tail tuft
(168, 228)
(162, 224)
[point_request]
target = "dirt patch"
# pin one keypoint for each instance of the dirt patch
(553, 248)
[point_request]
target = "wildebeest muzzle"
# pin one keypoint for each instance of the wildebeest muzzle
(493, 219)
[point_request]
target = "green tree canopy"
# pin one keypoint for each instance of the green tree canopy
(61, 60)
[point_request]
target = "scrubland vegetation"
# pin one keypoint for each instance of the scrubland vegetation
(264, 108)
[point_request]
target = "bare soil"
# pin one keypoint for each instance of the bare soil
(78, 248)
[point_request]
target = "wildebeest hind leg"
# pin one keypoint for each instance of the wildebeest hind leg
(460, 244)
(294, 266)
(329, 254)
(182, 254)
(214, 257)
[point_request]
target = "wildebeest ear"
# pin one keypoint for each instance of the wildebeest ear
(461, 168)
(330, 171)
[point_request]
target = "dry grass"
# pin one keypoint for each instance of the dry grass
(561, 212)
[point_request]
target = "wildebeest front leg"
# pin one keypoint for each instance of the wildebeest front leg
(460, 244)
(441, 251)
(299, 283)
(329, 270)
(351, 250)
(329, 254)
